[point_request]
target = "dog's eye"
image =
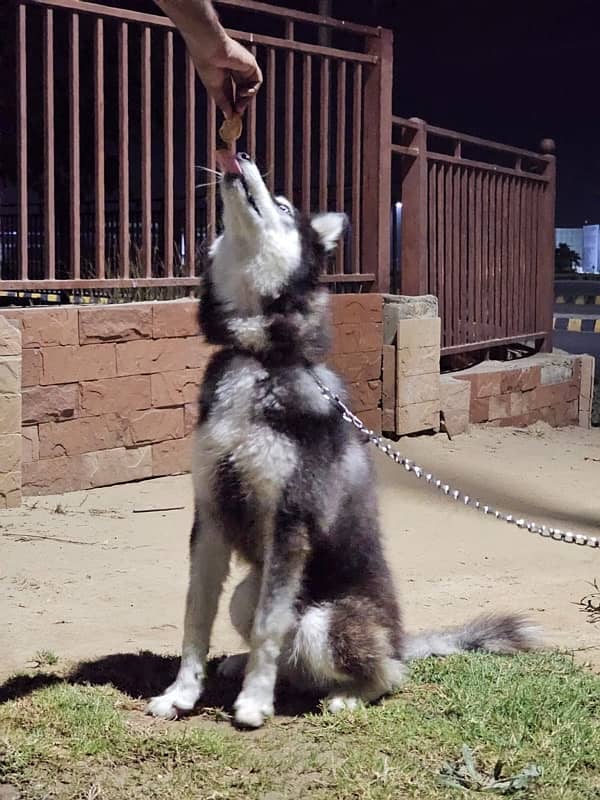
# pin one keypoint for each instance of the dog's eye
(283, 207)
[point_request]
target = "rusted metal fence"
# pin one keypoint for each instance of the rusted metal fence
(477, 232)
(110, 114)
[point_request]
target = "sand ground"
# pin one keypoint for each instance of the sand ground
(83, 575)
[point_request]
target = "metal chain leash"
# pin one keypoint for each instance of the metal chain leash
(546, 531)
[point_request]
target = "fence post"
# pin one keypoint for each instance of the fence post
(545, 283)
(377, 157)
(413, 274)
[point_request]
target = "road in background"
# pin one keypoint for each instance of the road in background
(578, 300)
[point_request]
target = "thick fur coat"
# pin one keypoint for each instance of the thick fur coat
(284, 482)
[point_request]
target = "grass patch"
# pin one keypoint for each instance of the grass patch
(65, 740)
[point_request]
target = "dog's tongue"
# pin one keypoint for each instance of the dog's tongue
(228, 162)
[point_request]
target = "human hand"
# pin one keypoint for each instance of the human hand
(232, 62)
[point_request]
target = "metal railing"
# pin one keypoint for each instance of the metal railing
(110, 113)
(477, 232)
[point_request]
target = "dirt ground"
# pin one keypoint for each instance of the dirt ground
(93, 573)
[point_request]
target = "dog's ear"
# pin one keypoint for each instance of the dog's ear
(329, 228)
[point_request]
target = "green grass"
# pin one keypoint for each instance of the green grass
(66, 740)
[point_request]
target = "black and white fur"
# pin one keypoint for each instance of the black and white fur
(281, 480)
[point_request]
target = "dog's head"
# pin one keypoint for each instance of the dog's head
(264, 234)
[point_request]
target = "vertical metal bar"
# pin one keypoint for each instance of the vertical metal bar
(434, 277)
(190, 166)
(123, 151)
(22, 140)
(414, 216)
(99, 212)
(513, 233)
(455, 270)
(340, 155)
(168, 153)
(211, 144)
(476, 318)
(485, 264)
(356, 166)
(289, 116)
(270, 126)
(498, 274)
(74, 155)
(505, 259)
(324, 144)
(377, 140)
(441, 262)
(306, 131)
(461, 284)
(146, 151)
(49, 209)
(450, 224)
(251, 120)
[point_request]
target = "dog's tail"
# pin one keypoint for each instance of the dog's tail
(491, 633)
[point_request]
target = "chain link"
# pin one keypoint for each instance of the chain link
(548, 532)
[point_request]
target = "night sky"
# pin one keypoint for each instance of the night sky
(515, 72)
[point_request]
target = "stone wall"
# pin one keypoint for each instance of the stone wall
(109, 394)
(552, 388)
(10, 415)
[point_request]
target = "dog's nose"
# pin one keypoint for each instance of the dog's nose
(244, 156)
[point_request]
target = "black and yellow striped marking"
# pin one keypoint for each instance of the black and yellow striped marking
(577, 299)
(55, 297)
(577, 324)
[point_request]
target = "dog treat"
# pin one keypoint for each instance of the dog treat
(231, 129)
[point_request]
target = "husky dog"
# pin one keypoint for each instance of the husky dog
(283, 481)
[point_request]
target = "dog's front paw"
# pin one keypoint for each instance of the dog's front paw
(250, 712)
(176, 702)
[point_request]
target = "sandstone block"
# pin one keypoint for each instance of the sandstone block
(160, 355)
(10, 338)
(480, 410)
(69, 364)
(356, 367)
(10, 374)
(176, 388)
(418, 389)
(500, 407)
(10, 489)
(83, 435)
(10, 413)
(49, 327)
(87, 470)
(456, 422)
(356, 308)
(30, 443)
(191, 412)
(356, 337)
(365, 395)
(154, 425)
(418, 417)
(175, 318)
(31, 367)
(389, 382)
(418, 360)
(50, 403)
(455, 395)
(10, 452)
(372, 419)
(121, 395)
(115, 323)
(173, 457)
(414, 333)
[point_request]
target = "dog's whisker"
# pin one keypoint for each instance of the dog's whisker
(208, 169)
(204, 185)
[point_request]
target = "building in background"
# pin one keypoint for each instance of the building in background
(584, 241)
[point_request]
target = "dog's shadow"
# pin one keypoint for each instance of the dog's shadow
(145, 674)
